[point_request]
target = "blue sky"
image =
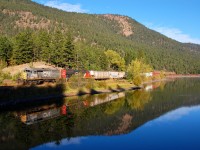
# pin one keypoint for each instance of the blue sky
(177, 19)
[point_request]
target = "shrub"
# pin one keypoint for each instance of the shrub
(137, 80)
(4, 76)
(90, 83)
(102, 84)
(162, 74)
(76, 81)
(16, 76)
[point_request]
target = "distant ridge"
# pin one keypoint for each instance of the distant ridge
(120, 33)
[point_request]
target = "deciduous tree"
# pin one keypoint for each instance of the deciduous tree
(115, 61)
(136, 69)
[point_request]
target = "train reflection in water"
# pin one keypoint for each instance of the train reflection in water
(45, 112)
(41, 113)
(109, 97)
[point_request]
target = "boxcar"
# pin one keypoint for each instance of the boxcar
(116, 75)
(99, 75)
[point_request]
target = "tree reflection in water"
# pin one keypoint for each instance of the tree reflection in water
(114, 106)
(104, 114)
(137, 99)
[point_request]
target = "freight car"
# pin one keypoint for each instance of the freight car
(117, 75)
(97, 75)
(40, 75)
(100, 75)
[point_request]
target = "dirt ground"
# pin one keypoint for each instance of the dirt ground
(16, 69)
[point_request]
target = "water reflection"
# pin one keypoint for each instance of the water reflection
(137, 99)
(178, 114)
(64, 142)
(68, 107)
(41, 113)
(67, 121)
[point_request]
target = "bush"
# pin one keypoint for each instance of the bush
(16, 76)
(4, 76)
(162, 74)
(77, 82)
(2, 64)
(90, 83)
(137, 80)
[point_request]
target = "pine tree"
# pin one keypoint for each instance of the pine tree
(69, 53)
(23, 48)
(42, 45)
(56, 48)
(5, 49)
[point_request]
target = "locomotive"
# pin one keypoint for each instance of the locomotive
(40, 75)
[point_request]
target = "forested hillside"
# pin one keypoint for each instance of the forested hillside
(32, 32)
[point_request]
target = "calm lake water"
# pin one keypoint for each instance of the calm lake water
(165, 115)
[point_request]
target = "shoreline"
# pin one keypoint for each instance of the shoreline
(93, 91)
(183, 76)
(43, 99)
(80, 92)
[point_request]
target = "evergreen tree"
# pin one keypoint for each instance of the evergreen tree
(56, 48)
(141, 54)
(102, 60)
(23, 48)
(42, 45)
(5, 49)
(69, 53)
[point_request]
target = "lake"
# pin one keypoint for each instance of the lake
(163, 115)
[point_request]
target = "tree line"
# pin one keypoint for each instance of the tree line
(57, 48)
(28, 47)
(61, 49)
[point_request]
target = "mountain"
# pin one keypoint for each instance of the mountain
(120, 33)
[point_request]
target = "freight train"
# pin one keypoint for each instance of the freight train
(40, 75)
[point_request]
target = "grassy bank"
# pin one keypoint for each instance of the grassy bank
(19, 93)
(91, 86)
